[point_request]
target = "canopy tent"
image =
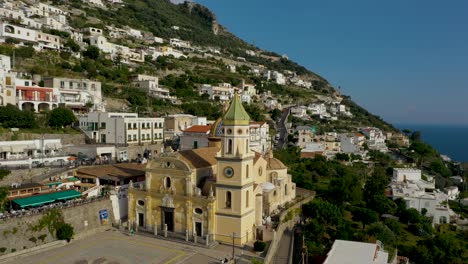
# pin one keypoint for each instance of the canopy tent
(37, 200)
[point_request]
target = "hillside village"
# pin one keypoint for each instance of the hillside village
(137, 98)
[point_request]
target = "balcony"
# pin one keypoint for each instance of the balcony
(38, 99)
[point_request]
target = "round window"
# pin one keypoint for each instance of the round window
(239, 131)
(141, 203)
(228, 172)
(198, 211)
(229, 131)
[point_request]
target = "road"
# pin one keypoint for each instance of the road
(282, 130)
(282, 253)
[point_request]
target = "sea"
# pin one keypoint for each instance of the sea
(450, 140)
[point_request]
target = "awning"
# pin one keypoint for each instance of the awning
(37, 200)
(53, 183)
(65, 195)
(54, 146)
(31, 146)
(5, 149)
(18, 148)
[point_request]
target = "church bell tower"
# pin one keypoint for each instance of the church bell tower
(235, 208)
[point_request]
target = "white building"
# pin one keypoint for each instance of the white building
(122, 128)
(375, 138)
(260, 140)
(317, 109)
(195, 137)
(32, 153)
(19, 33)
(299, 111)
(352, 252)
(419, 194)
(7, 82)
(34, 98)
(165, 51)
(77, 94)
(179, 43)
(452, 192)
(124, 53)
(222, 92)
(277, 77)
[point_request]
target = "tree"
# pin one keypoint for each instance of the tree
(92, 52)
(65, 231)
(3, 198)
(275, 114)
(4, 173)
(11, 116)
(342, 156)
(365, 216)
(72, 45)
(61, 117)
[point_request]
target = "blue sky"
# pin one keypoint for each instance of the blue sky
(406, 61)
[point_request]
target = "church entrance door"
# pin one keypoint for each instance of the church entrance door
(198, 228)
(168, 219)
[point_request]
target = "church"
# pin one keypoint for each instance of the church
(222, 192)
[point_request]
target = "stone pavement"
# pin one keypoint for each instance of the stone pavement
(114, 247)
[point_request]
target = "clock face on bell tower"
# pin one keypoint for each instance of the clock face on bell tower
(228, 172)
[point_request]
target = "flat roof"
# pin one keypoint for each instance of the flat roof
(351, 252)
(26, 186)
(37, 200)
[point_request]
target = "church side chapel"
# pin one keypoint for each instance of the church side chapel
(212, 193)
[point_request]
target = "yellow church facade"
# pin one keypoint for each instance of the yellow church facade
(222, 192)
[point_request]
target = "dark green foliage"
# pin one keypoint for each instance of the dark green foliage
(3, 173)
(3, 197)
(382, 233)
(92, 52)
(364, 215)
(3, 249)
(346, 187)
(342, 156)
(259, 246)
(61, 117)
(33, 239)
(210, 110)
(42, 237)
(65, 232)
(72, 45)
(323, 211)
(255, 113)
(11, 116)
(275, 114)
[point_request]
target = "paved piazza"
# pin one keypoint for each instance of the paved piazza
(113, 247)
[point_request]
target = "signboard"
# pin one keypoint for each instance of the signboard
(103, 216)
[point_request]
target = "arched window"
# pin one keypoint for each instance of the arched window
(229, 147)
(247, 146)
(228, 199)
(167, 182)
(247, 199)
(285, 189)
(247, 171)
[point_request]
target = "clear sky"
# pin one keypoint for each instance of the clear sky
(405, 60)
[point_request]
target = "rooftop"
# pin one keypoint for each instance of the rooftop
(198, 129)
(26, 186)
(351, 252)
(115, 170)
(200, 158)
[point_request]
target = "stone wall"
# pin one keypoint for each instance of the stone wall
(15, 233)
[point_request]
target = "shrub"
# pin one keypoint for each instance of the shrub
(42, 237)
(259, 246)
(33, 239)
(65, 232)
(2, 249)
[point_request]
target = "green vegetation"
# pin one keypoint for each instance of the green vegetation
(259, 246)
(61, 117)
(11, 116)
(351, 205)
(53, 221)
